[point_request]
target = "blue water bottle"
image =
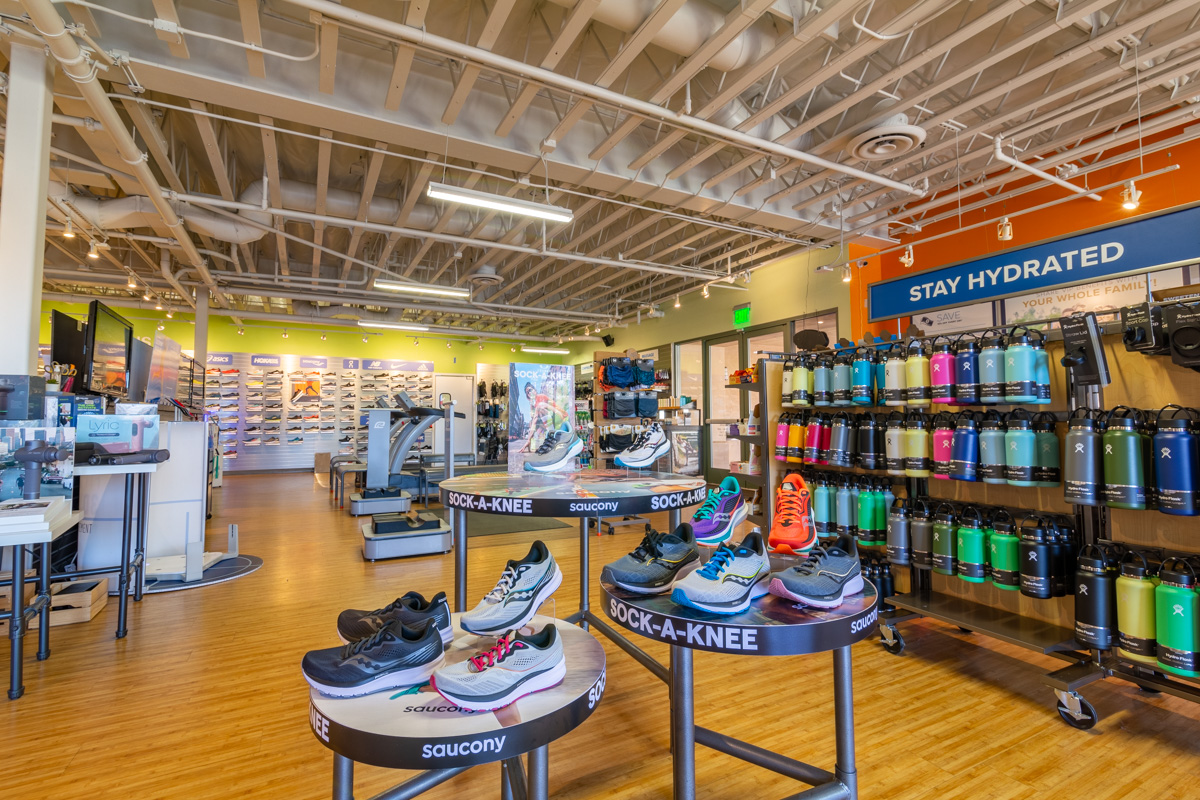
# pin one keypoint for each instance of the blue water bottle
(1020, 367)
(862, 377)
(1177, 462)
(991, 369)
(964, 448)
(966, 371)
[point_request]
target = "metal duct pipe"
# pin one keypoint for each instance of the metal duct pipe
(415, 36)
(164, 263)
(998, 151)
(78, 67)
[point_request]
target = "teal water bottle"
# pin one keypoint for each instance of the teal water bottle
(1020, 367)
(972, 551)
(991, 448)
(1042, 371)
(822, 381)
(823, 508)
(1047, 470)
(842, 379)
(991, 369)
(1020, 449)
(845, 510)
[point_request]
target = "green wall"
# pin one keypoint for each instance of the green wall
(791, 288)
(267, 337)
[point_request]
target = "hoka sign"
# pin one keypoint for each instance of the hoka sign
(1148, 243)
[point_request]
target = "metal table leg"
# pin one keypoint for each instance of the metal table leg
(584, 588)
(514, 778)
(843, 710)
(539, 773)
(343, 778)
(123, 575)
(683, 731)
(44, 598)
(458, 521)
(139, 553)
(16, 624)
(674, 518)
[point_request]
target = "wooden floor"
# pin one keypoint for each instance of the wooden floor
(204, 698)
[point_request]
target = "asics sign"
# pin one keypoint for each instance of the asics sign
(662, 502)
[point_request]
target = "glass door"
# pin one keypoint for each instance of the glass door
(722, 357)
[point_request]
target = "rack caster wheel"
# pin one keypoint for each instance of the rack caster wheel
(1075, 711)
(891, 639)
(965, 630)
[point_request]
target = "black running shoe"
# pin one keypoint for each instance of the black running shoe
(393, 657)
(412, 609)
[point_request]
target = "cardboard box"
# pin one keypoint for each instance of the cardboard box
(321, 463)
(119, 433)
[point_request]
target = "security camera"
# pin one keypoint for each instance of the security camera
(862, 262)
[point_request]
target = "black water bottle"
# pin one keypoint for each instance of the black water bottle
(899, 551)
(1083, 466)
(869, 442)
(920, 533)
(1095, 598)
(1036, 559)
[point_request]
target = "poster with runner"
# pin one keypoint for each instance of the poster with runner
(541, 397)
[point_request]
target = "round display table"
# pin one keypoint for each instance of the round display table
(417, 729)
(770, 627)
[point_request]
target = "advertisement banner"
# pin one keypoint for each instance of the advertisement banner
(350, 363)
(312, 362)
(265, 361)
(1099, 296)
(952, 320)
(685, 451)
(540, 400)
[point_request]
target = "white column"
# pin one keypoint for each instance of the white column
(200, 337)
(23, 212)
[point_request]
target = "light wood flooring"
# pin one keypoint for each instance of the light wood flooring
(204, 699)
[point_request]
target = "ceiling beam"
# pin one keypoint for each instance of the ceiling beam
(324, 151)
(416, 188)
(402, 63)
(330, 31)
(252, 34)
(370, 181)
(165, 9)
(470, 72)
(271, 163)
(216, 161)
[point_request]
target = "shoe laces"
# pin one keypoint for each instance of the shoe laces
(809, 565)
(719, 561)
(503, 586)
(548, 443)
(497, 653)
(354, 648)
(650, 547)
(788, 507)
(709, 506)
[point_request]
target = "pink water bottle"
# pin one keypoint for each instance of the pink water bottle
(941, 374)
(943, 436)
(782, 428)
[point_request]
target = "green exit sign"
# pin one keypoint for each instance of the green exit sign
(741, 316)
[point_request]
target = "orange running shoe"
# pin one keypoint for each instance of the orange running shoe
(792, 530)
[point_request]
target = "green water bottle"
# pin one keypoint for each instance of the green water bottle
(1177, 618)
(1136, 585)
(945, 541)
(1124, 459)
(971, 553)
(1005, 552)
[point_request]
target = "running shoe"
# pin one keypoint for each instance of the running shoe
(271, 440)
(274, 372)
(720, 514)
(732, 578)
(523, 586)
(825, 579)
(296, 440)
(792, 530)
(648, 446)
(253, 441)
(294, 429)
(229, 453)
(556, 453)
(394, 656)
(347, 408)
(655, 565)
(254, 418)
(516, 666)
(412, 610)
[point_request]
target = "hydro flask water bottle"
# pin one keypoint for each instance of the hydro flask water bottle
(1036, 562)
(899, 551)
(869, 447)
(1177, 618)
(966, 371)
(1124, 467)
(945, 542)
(846, 517)
(862, 377)
(1083, 465)
(920, 531)
(802, 381)
(917, 389)
(917, 460)
(1136, 628)
(1149, 464)
(972, 554)
(1046, 469)
(894, 386)
(842, 379)
(991, 448)
(1005, 555)
(841, 439)
(797, 431)
(893, 444)
(812, 438)
(823, 446)
(943, 445)
(822, 394)
(1177, 462)
(1095, 598)
(964, 448)
(1020, 368)
(867, 512)
(1020, 449)
(786, 382)
(823, 507)
(880, 375)
(991, 369)
(1041, 371)
(941, 374)
(782, 429)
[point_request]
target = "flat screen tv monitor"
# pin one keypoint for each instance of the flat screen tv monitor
(68, 338)
(109, 339)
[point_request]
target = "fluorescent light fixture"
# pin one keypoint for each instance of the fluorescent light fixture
(395, 326)
(552, 351)
(496, 202)
(416, 288)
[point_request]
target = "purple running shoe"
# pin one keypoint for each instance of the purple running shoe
(720, 514)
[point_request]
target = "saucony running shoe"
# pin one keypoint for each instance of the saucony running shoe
(648, 446)
(825, 579)
(657, 564)
(556, 453)
(412, 610)
(523, 586)
(518, 665)
(394, 656)
(732, 578)
(792, 530)
(718, 516)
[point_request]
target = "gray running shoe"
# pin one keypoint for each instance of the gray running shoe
(556, 453)
(518, 665)
(523, 586)
(825, 579)
(729, 581)
(412, 609)
(393, 657)
(657, 563)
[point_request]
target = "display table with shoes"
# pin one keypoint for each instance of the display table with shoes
(416, 728)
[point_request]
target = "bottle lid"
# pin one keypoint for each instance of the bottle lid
(915, 423)
(1092, 559)
(993, 424)
(1019, 339)
(943, 347)
(994, 341)
(1134, 565)
(1017, 424)
(1173, 572)
(966, 346)
(1044, 425)
(1121, 423)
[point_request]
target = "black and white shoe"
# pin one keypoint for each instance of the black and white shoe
(557, 452)
(649, 446)
(394, 656)
(412, 610)
(523, 586)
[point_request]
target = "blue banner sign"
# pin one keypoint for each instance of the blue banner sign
(225, 359)
(1150, 243)
(265, 361)
(312, 362)
(350, 363)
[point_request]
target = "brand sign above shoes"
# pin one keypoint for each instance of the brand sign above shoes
(1146, 243)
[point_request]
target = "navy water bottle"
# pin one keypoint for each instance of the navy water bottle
(991, 448)
(1177, 462)
(1047, 470)
(842, 379)
(991, 369)
(862, 377)
(964, 448)
(966, 371)
(1020, 368)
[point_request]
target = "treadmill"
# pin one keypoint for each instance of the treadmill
(391, 433)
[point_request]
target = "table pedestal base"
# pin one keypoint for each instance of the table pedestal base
(517, 782)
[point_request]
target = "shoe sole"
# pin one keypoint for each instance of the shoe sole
(642, 463)
(851, 587)
(683, 572)
(547, 680)
(759, 589)
(447, 635)
(785, 546)
(542, 596)
(575, 449)
(413, 676)
(739, 516)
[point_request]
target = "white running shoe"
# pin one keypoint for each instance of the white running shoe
(729, 581)
(556, 453)
(518, 665)
(649, 446)
(523, 586)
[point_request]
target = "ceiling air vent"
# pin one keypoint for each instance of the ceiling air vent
(485, 276)
(890, 139)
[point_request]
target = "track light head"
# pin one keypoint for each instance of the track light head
(908, 259)
(1131, 197)
(704, 291)
(1004, 230)
(323, 337)
(170, 313)
(677, 301)
(69, 230)
(93, 253)
(241, 331)
(846, 273)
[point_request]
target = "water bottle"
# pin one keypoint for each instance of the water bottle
(1177, 618)
(1020, 372)
(1005, 552)
(894, 386)
(842, 379)
(880, 375)
(991, 448)
(841, 440)
(1083, 465)
(943, 445)
(1037, 567)
(1124, 466)
(917, 388)
(822, 394)
(899, 551)
(893, 444)
(785, 382)
(1041, 371)
(1020, 449)
(869, 447)
(797, 432)
(941, 374)
(1046, 469)
(823, 446)
(881, 501)
(824, 501)
(862, 377)
(1136, 626)
(812, 438)
(945, 541)
(1095, 598)
(782, 429)
(964, 448)
(991, 369)
(972, 551)
(1064, 527)
(920, 530)
(1177, 462)
(866, 513)
(846, 525)
(802, 381)
(917, 461)
(966, 371)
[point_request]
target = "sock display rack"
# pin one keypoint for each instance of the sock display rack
(1012, 556)
(603, 426)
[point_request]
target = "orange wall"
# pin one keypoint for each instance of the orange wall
(1159, 193)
